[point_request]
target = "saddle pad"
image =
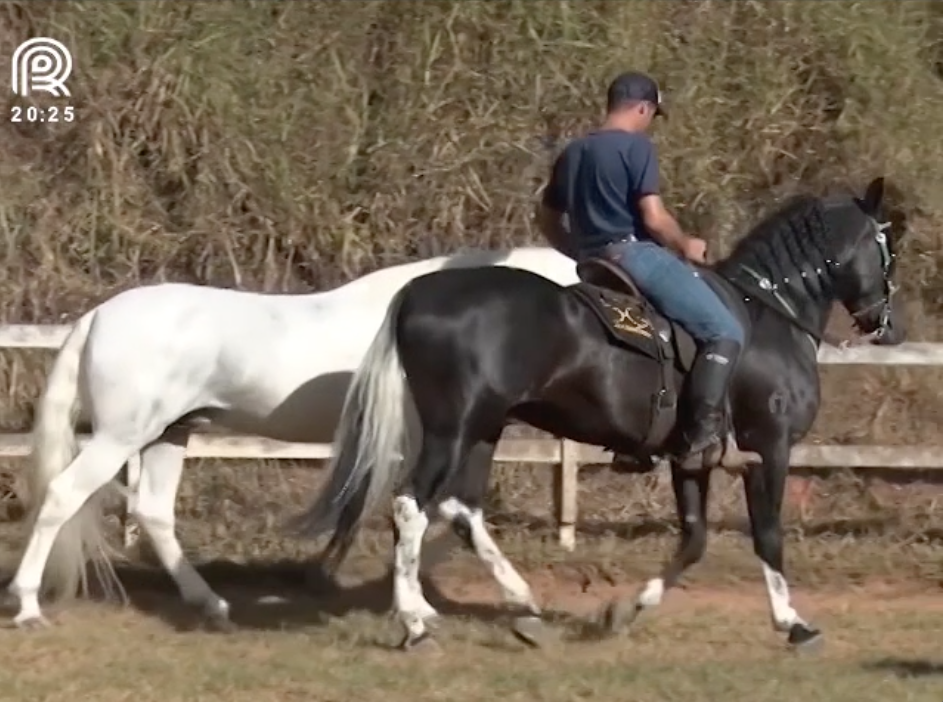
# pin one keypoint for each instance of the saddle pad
(625, 319)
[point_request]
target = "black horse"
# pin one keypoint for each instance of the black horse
(469, 349)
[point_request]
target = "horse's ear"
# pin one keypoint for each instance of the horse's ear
(874, 196)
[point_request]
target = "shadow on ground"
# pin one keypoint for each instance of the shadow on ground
(906, 667)
(278, 596)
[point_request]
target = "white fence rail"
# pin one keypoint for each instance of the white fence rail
(566, 455)
(51, 336)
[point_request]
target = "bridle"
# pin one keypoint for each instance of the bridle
(889, 288)
(767, 292)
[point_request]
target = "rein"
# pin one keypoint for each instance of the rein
(765, 292)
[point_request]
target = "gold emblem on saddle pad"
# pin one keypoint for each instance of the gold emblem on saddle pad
(627, 319)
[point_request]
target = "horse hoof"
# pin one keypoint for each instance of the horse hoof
(531, 630)
(805, 639)
(33, 623)
(424, 644)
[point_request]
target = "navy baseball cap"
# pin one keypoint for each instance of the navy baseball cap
(633, 85)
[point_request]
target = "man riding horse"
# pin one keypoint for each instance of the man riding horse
(607, 184)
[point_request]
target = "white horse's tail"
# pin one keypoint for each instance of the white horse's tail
(54, 448)
(368, 443)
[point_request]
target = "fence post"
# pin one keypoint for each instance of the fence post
(565, 493)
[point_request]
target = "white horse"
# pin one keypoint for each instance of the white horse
(143, 365)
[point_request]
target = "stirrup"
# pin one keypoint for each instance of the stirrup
(724, 453)
(702, 459)
(735, 460)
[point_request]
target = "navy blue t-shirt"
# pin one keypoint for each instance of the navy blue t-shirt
(598, 179)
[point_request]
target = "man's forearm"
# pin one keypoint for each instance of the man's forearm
(668, 232)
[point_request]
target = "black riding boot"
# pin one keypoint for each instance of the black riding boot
(704, 432)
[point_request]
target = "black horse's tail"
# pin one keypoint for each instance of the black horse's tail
(368, 443)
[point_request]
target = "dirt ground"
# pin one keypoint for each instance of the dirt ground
(706, 643)
(868, 574)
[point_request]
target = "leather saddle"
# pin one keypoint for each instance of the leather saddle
(631, 321)
(628, 317)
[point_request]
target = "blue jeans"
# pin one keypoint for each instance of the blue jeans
(677, 290)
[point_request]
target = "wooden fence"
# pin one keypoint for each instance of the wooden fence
(567, 456)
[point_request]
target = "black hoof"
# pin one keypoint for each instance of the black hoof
(424, 643)
(805, 638)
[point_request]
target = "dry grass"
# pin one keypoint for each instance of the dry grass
(295, 145)
(291, 145)
(703, 645)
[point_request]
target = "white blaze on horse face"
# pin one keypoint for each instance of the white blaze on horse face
(784, 616)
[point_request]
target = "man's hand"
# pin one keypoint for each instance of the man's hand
(695, 250)
(665, 229)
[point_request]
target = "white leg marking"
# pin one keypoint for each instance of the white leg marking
(421, 604)
(513, 586)
(426, 610)
(784, 616)
(408, 601)
(95, 465)
(652, 594)
(162, 466)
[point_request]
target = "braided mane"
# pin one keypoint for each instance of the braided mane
(790, 244)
